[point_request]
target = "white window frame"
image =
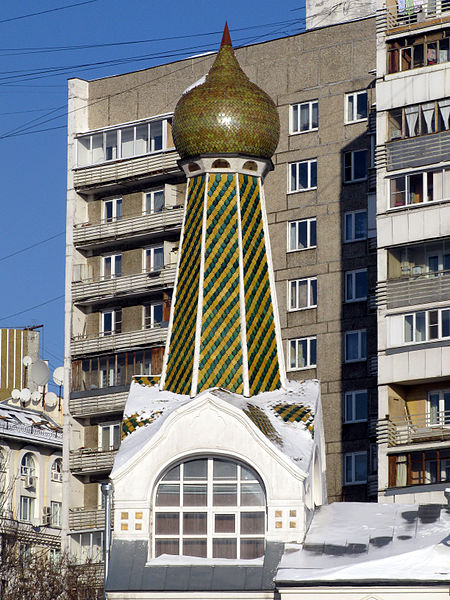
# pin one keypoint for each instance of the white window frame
(352, 456)
(443, 416)
(151, 194)
(56, 470)
(296, 225)
(352, 274)
(354, 118)
(55, 513)
(352, 238)
(407, 176)
(293, 350)
(86, 552)
(427, 313)
(150, 319)
(362, 347)
(27, 508)
(296, 165)
(116, 214)
(296, 283)
(150, 250)
(27, 468)
(114, 322)
(110, 428)
(352, 154)
(294, 127)
(114, 259)
(352, 396)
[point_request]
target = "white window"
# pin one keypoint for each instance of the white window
(355, 165)
(304, 116)
(303, 353)
(56, 471)
(26, 508)
(55, 513)
(154, 202)
(302, 234)
(27, 465)
(210, 508)
(112, 210)
(111, 322)
(355, 226)
(154, 258)
(109, 437)
(356, 285)
(355, 406)
(355, 468)
(303, 175)
(425, 325)
(87, 546)
(439, 407)
(355, 345)
(416, 188)
(302, 293)
(112, 266)
(153, 316)
(356, 106)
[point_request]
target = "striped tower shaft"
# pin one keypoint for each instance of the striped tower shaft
(223, 331)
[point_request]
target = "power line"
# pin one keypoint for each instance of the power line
(43, 12)
(32, 308)
(32, 246)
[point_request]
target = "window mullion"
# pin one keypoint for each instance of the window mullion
(209, 507)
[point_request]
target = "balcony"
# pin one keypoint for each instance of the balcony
(421, 14)
(414, 429)
(86, 518)
(89, 292)
(119, 171)
(131, 339)
(95, 405)
(39, 434)
(418, 151)
(90, 235)
(87, 461)
(423, 289)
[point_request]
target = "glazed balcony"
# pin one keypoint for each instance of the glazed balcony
(89, 292)
(91, 406)
(91, 235)
(398, 17)
(411, 291)
(86, 518)
(91, 461)
(414, 429)
(120, 341)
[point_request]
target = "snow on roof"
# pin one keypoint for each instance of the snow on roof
(286, 417)
(353, 541)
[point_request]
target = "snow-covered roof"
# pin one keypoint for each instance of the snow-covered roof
(26, 423)
(370, 542)
(285, 417)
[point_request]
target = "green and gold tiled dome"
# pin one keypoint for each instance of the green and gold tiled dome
(227, 114)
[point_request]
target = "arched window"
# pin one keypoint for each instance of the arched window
(192, 167)
(56, 472)
(220, 163)
(250, 165)
(28, 466)
(209, 507)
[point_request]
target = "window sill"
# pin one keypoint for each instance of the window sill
(355, 360)
(350, 483)
(289, 192)
(288, 251)
(293, 369)
(172, 559)
(356, 121)
(294, 310)
(355, 180)
(392, 209)
(363, 239)
(355, 300)
(355, 421)
(302, 132)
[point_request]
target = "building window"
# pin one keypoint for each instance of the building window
(87, 546)
(355, 226)
(28, 466)
(112, 266)
(210, 508)
(112, 210)
(304, 116)
(355, 345)
(26, 509)
(55, 514)
(355, 468)
(56, 471)
(303, 175)
(419, 119)
(416, 188)
(426, 325)
(154, 258)
(111, 322)
(355, 406)
(154, 202)
(109, 436)
(302, 234)
(438, 405)
(302, 293)
(303, 353)
(419, 468)
(153, 315)
(356, 106)
(356, 285)
(415, 52)
(355, 166)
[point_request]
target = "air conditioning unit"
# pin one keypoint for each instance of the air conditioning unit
(56, 476)
(46, 515)
(29, 481)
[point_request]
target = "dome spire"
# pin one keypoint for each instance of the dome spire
(226, 40)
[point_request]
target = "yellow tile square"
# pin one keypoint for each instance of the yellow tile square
(124, 527)
(124, 515)
(138, 515)
(138, 526)
(278, 524)
(278, 513)
(292, 524)
(292, 513)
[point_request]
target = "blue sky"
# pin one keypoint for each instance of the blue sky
(38, 54)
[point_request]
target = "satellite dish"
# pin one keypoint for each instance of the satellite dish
(35, 397)
(25, 394)
(40, 372)
(27, 360)
(15, 394)
(58, 375)
(50, 400)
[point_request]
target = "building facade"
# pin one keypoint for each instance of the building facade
(15, 344)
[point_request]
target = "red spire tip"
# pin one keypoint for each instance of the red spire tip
(226, 40)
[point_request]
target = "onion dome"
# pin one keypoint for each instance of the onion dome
(227, 114)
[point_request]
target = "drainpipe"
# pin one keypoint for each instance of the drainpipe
(107, 491)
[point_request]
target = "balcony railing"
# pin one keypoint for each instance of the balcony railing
(93, 405)
(86, 234)
(120, 341)
(413, 16)
(31, 432)
(413, 429)
(91, 460)
(86, 518)
(418, 151)
(126, 168)
(423, 289)
(136, 283)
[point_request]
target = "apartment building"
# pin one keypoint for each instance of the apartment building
(125, 209)
(413, 107)
(15, 344)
